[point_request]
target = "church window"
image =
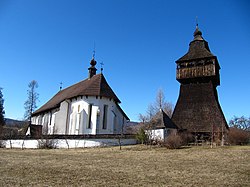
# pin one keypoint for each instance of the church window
(89, 117)
(79, 107)
(105, 114)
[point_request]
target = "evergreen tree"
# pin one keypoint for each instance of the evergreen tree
(30, 104)
(2, 112)
(142, 136)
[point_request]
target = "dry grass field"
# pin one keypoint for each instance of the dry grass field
(132, 166)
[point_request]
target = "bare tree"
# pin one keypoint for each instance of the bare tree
(240, 123)
(161, 103)
(151, 111)
(30, 104)
(143, 118)
(153, 108)
(160, 99)
(238, 136)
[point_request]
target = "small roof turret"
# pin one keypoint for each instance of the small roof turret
(93, 62)
(197, 33)
(92, 69)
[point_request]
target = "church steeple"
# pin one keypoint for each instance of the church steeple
(92, 69)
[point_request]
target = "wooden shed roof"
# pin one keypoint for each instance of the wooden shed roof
(161, 120)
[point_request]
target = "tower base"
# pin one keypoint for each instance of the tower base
(198, 109)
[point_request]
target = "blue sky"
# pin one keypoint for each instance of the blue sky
(138, 41)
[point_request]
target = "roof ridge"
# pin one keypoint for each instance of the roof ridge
(94, 86)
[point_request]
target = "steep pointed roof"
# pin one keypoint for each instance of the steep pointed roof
(198, 48)
(94, 86)
(161, 120)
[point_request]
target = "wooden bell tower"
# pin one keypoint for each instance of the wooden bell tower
(197, 109)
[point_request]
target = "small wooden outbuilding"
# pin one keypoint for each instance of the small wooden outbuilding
(160, 126)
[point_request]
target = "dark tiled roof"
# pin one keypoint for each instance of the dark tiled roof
(161, 120)
(198, 48)
(95, 86)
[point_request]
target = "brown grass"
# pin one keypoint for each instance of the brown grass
(131, 166)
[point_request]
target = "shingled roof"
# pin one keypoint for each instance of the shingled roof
(94, 86)
(198, 48)
(161, 120)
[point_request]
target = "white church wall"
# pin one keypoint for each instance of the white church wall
(79, 116)
(121, 121)
(73, 117)
(61, 118)
(109, 127)
(114, 116)
(52, 129)
(45, 122)
(43, 119)
(33, 120)
(36, 120)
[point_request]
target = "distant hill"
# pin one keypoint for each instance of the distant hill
(14, 123)
(131, 127)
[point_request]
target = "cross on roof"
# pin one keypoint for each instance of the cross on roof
(102, 66)
(61, 86)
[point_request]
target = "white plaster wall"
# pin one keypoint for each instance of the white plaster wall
(69, 143)
(83, 104)
(29, 144)
(97, 108)
(61, 118)
(52, 123)
(121, 121)
(112, 112)
(64, 120)
(33, 120)
(158, 134)
(47, 120)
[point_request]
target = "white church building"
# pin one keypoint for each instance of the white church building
(87, 107)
